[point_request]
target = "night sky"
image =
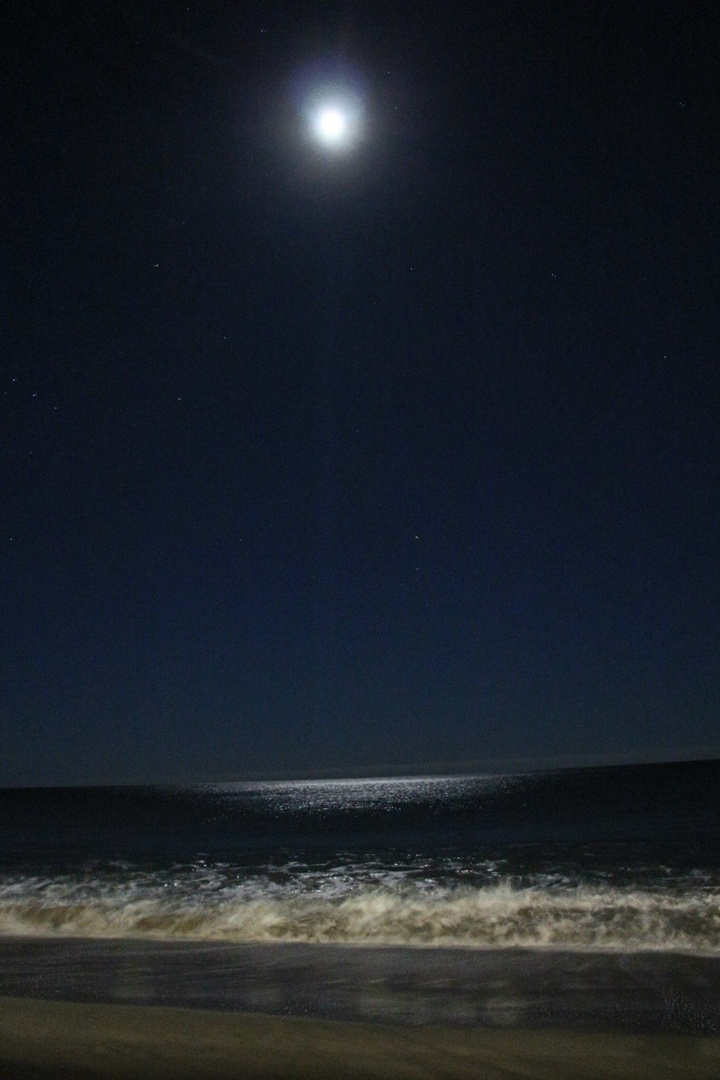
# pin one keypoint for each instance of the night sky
(397, 455)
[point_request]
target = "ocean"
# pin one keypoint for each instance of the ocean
(622, 858)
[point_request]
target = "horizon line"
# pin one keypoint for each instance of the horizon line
(410, 771)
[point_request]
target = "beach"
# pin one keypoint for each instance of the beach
(559, 925)
(120, 1008)
(63, 1040)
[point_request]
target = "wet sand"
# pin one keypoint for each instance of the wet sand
(521, 988)
(64, 1040)
(85, 1008)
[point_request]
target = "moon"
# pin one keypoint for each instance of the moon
(331, 125)
(331, 106)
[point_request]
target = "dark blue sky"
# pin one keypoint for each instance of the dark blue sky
(406, 458)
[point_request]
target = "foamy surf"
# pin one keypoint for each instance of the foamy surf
(622, 859)
(496, 916)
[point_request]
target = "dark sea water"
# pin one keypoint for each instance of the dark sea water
(621, 858)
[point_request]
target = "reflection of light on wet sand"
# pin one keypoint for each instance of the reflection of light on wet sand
(571, 990)
(502, 1012)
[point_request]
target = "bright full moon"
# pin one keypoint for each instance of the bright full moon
(332, 110)
(331, 125)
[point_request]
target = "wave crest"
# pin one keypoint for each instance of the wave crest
(500, 915)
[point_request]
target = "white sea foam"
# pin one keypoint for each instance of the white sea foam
(334, 909)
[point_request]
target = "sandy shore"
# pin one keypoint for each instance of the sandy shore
(76, 1009)
(57, 1040)
(634, 993)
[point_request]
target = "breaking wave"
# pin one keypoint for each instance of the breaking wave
(390, 913)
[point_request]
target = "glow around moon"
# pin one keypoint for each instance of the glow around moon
(331, 107)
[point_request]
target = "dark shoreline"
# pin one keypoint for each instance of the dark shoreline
(59, 1040)
(640, 993)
